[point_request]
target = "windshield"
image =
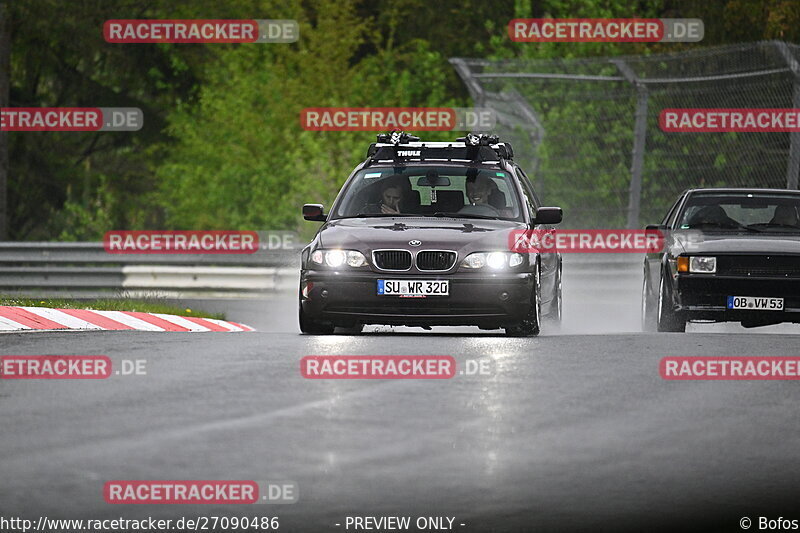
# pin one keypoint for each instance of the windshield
(430, 191)
(754, 212)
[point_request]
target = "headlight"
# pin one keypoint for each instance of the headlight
(337, 258)
(474, 261)
(494, 260)
(702, 264)
(355, 259)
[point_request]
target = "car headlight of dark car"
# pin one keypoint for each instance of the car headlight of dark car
(697, 264)
(492, 260)
(338, 258)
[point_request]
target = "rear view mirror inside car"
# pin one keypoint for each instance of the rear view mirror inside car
(433, 180)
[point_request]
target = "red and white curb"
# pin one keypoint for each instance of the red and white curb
(30, 318)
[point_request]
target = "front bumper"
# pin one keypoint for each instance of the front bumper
(475, 299)
(704, 297)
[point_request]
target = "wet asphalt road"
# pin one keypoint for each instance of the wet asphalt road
(573, 430)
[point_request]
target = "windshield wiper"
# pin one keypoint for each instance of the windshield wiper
(369, 215)
(464, 215)
(723, 228)
(750, 228)
(779, 225)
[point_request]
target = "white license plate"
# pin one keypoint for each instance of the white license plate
(413, 287)
(755, 303)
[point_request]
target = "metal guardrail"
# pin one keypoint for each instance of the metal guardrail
(82, 268)
(57, 268)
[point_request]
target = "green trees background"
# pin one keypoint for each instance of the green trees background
(222, 146)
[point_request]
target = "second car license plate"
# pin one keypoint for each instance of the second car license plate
(413, 287)
(755, 303)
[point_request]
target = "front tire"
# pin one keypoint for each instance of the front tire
(557, 304)
(649, 312)
(532, 324)
(668, 320)
(310, 326)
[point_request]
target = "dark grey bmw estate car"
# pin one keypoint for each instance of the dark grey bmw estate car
(419, 236)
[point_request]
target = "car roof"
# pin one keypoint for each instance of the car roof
(742, 190)
(429, 163)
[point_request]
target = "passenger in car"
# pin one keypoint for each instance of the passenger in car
(478, 190)
(713, 215)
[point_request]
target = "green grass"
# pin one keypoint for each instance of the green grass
(110, 304)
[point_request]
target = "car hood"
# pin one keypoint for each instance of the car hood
(738, 244)
(458, 234)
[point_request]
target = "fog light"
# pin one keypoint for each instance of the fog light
(503, 296)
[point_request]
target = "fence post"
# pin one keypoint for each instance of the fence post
(793, 165)
(5, 74)
(639, 140)
(475, 90)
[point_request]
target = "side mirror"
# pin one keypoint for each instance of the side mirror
(548, 215)
(656, 227)
(314, 212)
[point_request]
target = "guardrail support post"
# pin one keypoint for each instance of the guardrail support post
(639, 140)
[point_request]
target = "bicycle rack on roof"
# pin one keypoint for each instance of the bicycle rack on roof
(401, 147)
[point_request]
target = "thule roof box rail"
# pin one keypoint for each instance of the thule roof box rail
(398, 146)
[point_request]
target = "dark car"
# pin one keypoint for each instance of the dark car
(730, 255)
(419, 236)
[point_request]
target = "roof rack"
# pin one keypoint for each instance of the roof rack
(398, 146)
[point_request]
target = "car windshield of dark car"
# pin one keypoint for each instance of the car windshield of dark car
(430, 191)
(742, 212)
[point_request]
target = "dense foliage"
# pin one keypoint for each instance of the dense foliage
(222, 146)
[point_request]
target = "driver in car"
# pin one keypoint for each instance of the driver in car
(480, 189)
(785, 215)
(391, 197)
